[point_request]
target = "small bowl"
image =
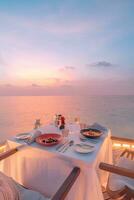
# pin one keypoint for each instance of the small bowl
(91, 133)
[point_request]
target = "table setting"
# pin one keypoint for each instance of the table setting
(78, 140)
(53, 152)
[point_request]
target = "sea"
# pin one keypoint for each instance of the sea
(18, 113)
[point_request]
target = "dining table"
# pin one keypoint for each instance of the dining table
(44, 168)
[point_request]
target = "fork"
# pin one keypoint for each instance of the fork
(61, 146)
(71, 143)
(29, 140)
(83, 139)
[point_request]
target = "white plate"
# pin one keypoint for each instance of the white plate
(23, 136)
(84, 148)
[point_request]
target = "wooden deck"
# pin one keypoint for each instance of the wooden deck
(106, 196)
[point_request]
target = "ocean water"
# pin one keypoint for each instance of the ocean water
(18, 114)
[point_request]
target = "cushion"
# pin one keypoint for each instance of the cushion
(117, 182)
(26, 194)
(10, 190)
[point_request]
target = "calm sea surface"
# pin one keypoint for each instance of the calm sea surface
(17, 114)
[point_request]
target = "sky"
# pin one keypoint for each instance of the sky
(66, 47)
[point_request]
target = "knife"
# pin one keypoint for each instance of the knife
(59, 148)
(71, 143)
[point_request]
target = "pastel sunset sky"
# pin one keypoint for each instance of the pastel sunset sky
(66, 47)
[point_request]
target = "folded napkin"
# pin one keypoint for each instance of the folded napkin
(99, 127)
(33, 135)
(8, 190)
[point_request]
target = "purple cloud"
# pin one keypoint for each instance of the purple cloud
(35, 85)
(101, 64)
(8, 85)
(67, 68)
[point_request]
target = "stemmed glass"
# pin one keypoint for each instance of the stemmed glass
(65, 132)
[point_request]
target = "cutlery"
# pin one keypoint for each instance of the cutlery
(61, 145)
(90, 141)
(62, 148)
(93, 141)
(29, 140)
(71, 143)
(83, 139)
(85, 146)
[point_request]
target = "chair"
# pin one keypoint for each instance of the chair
(60, 194)
(121, 179)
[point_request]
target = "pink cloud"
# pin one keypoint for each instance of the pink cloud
(81, 87)
(67, 68)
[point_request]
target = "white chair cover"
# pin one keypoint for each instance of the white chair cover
(26, 194)
(10, 190)
(117, 182)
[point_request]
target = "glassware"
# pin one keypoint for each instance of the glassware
(77, 120)
(37, 124)
(56, 120)
(83, 125)
(65, 132)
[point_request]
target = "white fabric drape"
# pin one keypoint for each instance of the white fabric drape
(44, 169)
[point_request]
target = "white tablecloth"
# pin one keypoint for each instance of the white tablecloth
(44, 169)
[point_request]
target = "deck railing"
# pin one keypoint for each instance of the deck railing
(119, 142)
(2, 147)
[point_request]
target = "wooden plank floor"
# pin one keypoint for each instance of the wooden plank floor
(106, 196)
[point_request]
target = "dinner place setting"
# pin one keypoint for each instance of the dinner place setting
(61, 139)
